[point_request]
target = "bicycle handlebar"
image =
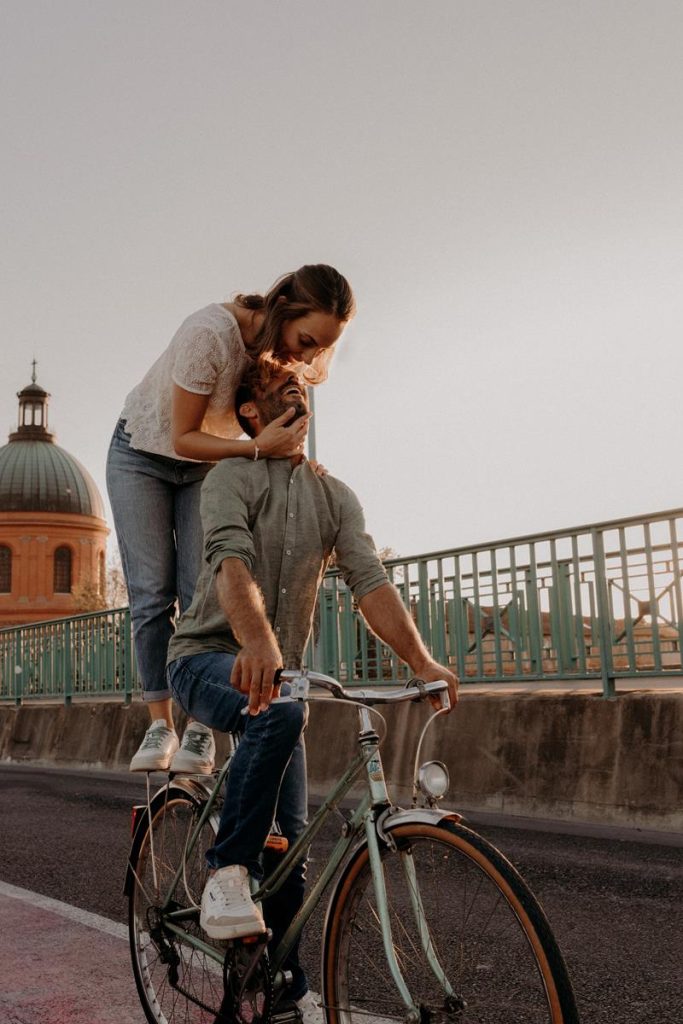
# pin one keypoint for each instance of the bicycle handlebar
(300, 683)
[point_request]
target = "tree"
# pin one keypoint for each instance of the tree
(88, 597)
(116, 593)
(384, 553)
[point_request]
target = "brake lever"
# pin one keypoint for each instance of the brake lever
(299, 689)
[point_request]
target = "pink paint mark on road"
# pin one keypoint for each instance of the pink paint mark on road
(54, 970)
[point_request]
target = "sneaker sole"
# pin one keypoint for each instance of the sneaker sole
(234, 931)
(208, 769)
(159, 767)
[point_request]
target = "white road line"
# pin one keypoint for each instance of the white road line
(102, 924)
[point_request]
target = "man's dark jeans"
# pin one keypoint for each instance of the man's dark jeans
(267, 779)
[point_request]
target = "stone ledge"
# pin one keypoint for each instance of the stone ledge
(556, 756)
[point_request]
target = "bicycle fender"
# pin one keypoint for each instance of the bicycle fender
(184, 786)
(425, 815)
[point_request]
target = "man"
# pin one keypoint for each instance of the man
(270, 527)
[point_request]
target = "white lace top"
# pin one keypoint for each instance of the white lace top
(206, 356)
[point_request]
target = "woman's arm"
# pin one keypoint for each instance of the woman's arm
(191, 442)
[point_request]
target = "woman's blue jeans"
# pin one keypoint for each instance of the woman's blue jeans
(267, 780)
(155, 503)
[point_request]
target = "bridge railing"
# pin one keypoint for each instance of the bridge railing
(601, 602)
(84, 656)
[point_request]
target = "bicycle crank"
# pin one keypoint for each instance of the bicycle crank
(248, 996)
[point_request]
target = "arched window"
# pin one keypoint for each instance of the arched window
(102, 574)
(5, 569)
(62, 576)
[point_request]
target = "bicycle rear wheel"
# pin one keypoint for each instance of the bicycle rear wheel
(485, 953)
(176, 982)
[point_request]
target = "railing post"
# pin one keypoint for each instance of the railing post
(67, 663)
(18, 668)
(127, 657)
(534, 623)
(604, 618)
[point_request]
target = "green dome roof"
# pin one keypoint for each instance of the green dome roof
(36, 475)
(39, 476)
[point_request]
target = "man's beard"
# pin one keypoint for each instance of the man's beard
(273, 406)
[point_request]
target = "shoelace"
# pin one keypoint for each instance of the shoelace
(196, 742)
(229, 885)
(154, 738)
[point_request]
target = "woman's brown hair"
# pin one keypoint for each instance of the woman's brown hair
(313, 288)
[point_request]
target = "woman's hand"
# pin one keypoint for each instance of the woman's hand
(279, 441)
(317, 467)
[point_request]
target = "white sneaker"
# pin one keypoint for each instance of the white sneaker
(157, 748)
(310, 1006)
(228, 911)
(197, 751)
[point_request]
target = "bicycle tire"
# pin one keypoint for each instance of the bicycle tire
(491, 939)
(196, 995)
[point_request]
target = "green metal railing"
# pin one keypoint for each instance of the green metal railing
(84, 656)
(594, 602)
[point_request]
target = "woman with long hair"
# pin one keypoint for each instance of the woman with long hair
(178, 422)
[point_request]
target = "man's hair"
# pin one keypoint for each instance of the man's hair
(256, 378)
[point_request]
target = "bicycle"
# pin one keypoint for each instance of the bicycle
(427, 922)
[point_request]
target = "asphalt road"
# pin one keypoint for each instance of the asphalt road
(615, 905)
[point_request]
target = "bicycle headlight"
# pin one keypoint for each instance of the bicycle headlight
(433, 779)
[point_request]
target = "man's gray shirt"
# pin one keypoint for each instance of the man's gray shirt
(283, 522)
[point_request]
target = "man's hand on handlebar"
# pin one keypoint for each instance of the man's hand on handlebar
(254, 672)
(430, 672)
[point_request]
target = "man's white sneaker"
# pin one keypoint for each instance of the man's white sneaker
(197, 751)
(157, 748)
(228, 911)
(311, 1009)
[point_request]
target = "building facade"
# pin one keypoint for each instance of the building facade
(53, 534)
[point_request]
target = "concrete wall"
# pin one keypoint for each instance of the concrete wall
(573, 756)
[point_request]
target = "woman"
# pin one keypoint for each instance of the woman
(175, 424)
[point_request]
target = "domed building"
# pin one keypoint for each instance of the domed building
(53, 533)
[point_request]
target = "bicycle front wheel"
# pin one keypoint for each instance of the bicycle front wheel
(176, 981)
(471, 941)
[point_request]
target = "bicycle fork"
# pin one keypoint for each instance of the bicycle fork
(369, 741)
(385, 923)
(380, 798)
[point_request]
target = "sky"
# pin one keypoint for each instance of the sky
(501, 182)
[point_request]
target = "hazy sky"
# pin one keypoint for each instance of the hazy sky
(502, 183)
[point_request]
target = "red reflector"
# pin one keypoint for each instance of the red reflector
(279, 843)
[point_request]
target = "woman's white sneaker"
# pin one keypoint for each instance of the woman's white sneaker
(197, 751)
(228, 911)
(158, 746)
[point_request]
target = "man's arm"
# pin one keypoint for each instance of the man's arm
(388, 617)
(242, 603)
